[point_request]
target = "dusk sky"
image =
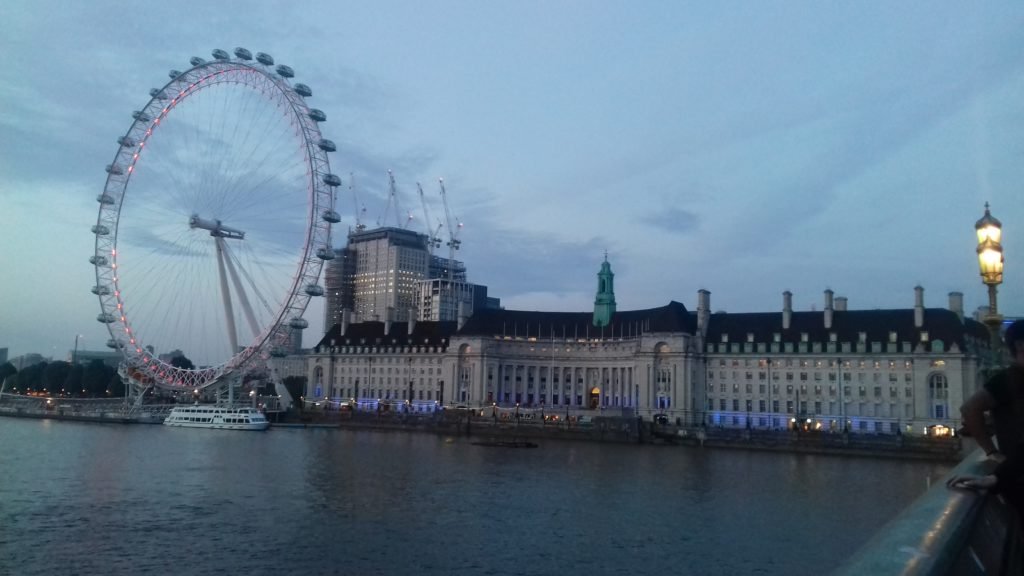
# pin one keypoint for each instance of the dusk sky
(746, 148)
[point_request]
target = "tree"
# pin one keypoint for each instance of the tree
(296, 386)
(115, 386)
(95, 378)
(30, 379)
(73, 384)
(182, 362)
(6, 371)
(55, 375)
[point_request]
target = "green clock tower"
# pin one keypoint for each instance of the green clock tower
(604, 303)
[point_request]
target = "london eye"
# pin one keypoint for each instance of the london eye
(214, 222)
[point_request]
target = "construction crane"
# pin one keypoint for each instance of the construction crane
(393, 200)
(433, 241)
(453, 235)
(360, 209)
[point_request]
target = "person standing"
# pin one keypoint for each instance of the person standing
(1003, 396)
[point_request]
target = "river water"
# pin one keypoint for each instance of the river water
(134, 499)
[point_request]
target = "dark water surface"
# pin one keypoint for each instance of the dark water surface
(113, 499)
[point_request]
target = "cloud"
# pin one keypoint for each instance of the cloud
(673, 220)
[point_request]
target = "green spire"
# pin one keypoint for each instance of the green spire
(604, 303)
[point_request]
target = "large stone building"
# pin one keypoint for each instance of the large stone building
(867, 371)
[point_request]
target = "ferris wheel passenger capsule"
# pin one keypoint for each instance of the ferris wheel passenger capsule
(285, 71)
(114, 169)
(327, 145)
(126, 141)
(314, 290)
(98, 260)
(265, 59)
(332, 180)
(317, 115)
(243, 54)
(221, 55)
(157, 94)
(106, 318)
(298, 323)
(331, 216)
(303, 90)
(141, 116)
(196, 61)
(174, 74)
(105, 199)
(325, 253)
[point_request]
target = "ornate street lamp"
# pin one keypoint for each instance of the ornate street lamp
(990, 261)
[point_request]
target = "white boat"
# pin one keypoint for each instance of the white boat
(213, 416)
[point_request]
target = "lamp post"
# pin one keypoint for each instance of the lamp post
(990, 262)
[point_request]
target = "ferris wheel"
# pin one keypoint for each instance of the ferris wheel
(214, 223)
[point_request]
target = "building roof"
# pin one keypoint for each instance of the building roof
(524, 323)
(372, 333)
(941, 324)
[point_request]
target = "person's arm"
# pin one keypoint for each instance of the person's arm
(973, 414)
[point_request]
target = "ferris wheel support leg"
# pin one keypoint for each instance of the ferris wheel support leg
(137, 405)
(226, 295)
(243, 299)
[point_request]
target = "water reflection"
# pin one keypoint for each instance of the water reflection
(137, 499)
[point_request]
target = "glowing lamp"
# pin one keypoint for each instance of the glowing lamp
(990, 251)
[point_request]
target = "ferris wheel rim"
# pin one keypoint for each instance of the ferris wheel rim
(146, 366)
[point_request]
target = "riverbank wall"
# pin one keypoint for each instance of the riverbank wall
(622, 430)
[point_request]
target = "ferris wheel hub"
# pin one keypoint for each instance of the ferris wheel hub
(216, 227)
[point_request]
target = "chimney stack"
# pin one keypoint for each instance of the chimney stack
(840, 303)
(787, 309)
(828, 309)
(388, 315)
(462, 317)
(703, 310)
(412, 320)
(956, 304)
(918, 307)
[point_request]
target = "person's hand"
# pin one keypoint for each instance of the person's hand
(968, 481)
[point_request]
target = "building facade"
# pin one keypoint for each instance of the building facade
(865, 371)
(862, 371)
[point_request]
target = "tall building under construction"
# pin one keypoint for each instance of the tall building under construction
(388, 274)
